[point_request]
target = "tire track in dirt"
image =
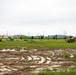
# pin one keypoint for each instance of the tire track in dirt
(33, 61)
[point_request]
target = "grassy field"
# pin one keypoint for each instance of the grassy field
(58, 73)
(43, 44)
(36, 43)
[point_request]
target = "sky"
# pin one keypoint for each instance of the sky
(38, 17)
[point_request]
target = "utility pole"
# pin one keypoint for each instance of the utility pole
(43, 33)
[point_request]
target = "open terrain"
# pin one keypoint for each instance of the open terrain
(37, 43)
(33, 56)
(21, 62)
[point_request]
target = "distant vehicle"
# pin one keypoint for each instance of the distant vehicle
(71, 39)
(10, 39)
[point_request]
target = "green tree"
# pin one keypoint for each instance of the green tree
(55, 37)
(42, 37)
(32, 37)
(21, 38)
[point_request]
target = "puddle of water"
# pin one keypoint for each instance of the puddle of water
(22, 58)
(12, 58)
(4, 70)
(29, 58)
(42, 60)
(71, 56)
(35, 57)
(55, 66)
(5, 50)
(33, 66)
(48, 60)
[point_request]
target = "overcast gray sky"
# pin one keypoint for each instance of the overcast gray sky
(35, 17)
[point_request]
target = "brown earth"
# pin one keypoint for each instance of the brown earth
(21, 62)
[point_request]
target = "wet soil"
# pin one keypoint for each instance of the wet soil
(21, 62)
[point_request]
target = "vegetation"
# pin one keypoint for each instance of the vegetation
(57, 73)
(66, 55)
(36, 43)
(42, 43)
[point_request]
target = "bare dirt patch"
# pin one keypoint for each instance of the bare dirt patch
(17, 62)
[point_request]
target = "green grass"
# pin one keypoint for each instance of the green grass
(57, 73)
(37, 43)
(74, 59)
(66, 55)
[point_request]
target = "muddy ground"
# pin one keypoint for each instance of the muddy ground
(21, 62)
